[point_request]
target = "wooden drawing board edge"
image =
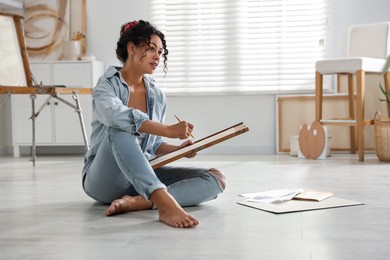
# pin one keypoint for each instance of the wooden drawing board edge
(216, 133)
(43, 90)
(301, 205)
(198, 145)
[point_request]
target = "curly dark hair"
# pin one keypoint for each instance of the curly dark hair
(140, 34)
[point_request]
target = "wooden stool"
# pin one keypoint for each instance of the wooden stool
(368, 48)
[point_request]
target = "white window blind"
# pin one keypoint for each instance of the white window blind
(246, 45)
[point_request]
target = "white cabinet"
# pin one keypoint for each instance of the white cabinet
(57, 124)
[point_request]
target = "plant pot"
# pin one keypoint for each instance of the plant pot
(71, 50)
(382, 137)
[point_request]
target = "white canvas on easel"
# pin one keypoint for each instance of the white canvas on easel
(12, 71)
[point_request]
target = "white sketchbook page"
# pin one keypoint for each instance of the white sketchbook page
(272, 195)
(200, 145)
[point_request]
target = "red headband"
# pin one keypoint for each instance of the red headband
(129, 25)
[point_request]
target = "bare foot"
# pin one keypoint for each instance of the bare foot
(171, 213)
(127, 203)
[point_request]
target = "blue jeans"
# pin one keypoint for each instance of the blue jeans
(120, 168)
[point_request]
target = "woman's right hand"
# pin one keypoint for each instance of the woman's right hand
(181, 130)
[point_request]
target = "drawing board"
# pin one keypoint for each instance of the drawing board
(199, 145)
(300, 205)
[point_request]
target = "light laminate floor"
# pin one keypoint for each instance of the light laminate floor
(44, 214)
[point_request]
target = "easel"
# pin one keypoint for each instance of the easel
(34, 90)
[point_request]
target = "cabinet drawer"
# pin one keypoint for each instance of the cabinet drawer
(73, 75)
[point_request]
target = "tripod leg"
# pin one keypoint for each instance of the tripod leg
(33, 116)
(79, 111)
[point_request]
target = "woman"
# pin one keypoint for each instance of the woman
(127, 130)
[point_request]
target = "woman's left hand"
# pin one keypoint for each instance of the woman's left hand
(187, 143)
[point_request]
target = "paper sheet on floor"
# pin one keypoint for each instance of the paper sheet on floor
(272, 196)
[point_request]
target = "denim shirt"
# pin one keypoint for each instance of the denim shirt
(109, 105)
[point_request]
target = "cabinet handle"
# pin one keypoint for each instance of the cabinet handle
(48, 103)
(56, 103)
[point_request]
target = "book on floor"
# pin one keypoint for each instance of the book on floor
(313, 195)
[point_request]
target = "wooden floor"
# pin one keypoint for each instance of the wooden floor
(45, 214)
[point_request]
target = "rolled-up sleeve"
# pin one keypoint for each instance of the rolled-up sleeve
(159, 141)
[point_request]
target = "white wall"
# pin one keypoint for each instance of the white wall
(104, 19)
(212, 113)
(349, 12)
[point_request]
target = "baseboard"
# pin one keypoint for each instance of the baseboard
(53, 150)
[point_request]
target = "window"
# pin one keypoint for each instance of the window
(246, 45)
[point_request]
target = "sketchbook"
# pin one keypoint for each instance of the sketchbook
(201, 144)
(313, 195)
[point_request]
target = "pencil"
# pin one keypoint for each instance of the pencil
(178, 119)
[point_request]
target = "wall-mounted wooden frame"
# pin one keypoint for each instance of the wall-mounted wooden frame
(78, 20)
(48, 23)
(46, 27)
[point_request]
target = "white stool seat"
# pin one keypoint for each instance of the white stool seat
(350, 65)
